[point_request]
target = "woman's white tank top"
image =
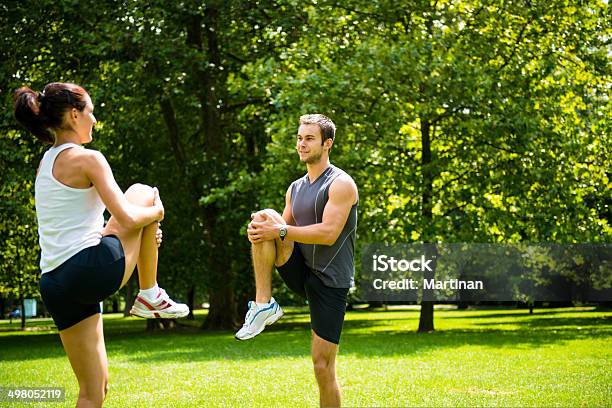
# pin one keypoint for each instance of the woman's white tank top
(69, 219)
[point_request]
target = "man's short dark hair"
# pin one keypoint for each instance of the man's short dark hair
(328, 129)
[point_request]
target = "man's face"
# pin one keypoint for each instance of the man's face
(309, 145)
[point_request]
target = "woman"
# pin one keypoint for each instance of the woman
(83, 261)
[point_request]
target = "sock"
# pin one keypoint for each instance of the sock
(151, 293)
(264, 304)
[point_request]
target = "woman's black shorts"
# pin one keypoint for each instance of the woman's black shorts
(73, 291)
(327, 305)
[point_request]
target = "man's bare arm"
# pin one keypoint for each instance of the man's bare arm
(342, 196)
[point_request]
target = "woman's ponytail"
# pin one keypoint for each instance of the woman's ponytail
(28, 113)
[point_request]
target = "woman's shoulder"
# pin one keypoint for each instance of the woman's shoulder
(87, 153)
(86, 158)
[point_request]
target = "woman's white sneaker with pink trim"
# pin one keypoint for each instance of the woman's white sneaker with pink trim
(162, 307)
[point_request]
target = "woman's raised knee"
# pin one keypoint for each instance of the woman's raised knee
(140, 188)
(141, 194)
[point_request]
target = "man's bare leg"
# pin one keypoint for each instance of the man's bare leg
(267, 254)
(264, 255)
(324, 362)
(264, 311)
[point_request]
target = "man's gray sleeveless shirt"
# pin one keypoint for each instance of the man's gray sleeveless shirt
(333, 264)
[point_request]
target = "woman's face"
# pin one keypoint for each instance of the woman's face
(84, 121)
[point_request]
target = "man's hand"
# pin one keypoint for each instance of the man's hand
(260, 231)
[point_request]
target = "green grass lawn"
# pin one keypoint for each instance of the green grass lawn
(555, 357)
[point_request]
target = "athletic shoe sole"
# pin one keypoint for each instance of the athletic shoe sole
(273, 320)
(157, 314)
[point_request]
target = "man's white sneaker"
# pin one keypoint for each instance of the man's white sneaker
(162, 307)
(258, 317)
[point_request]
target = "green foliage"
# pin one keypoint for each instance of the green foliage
(514, 96)
(19, 251)
(461, 121)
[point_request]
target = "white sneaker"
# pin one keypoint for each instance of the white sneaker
(162, 307)
(258, 317)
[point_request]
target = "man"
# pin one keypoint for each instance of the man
(312, 246)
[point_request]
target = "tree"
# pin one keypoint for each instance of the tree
(449, 119)
(168, 71)
(19, 243)
(461, 121)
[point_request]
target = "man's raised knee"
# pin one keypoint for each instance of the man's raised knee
(273, 214)
(261, 215)
(258, 216)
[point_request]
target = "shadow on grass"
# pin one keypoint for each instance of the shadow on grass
(31, 346)
(295, 343)
(536, 322)
(515, 313)
(290, 338)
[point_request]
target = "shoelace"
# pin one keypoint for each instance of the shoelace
(249, 313)
(164, 296)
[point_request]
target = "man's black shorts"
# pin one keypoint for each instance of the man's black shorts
(327, 305)
(73, 291)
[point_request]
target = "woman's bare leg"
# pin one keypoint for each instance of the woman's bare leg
(84, 345)
(147, 257)
(140, 248)
(139, 245)
(84, 342)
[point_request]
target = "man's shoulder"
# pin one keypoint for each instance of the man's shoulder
(343, 186)
(341, 173)
(342, 177)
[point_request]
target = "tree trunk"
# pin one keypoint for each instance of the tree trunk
(426, 317)
(426, 321)
(191, 302)
(375, 305)
(129, 297)
(22, 305)
(223, 309)
(222, 313)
